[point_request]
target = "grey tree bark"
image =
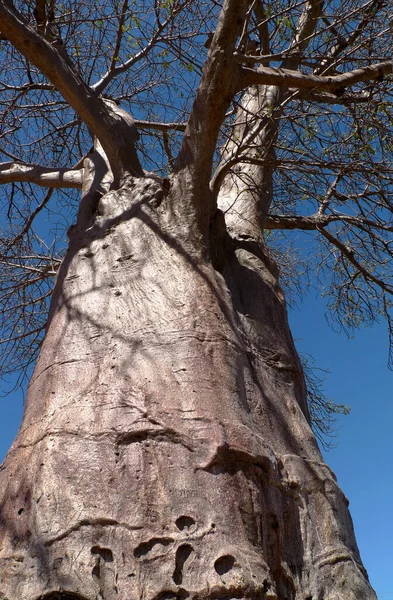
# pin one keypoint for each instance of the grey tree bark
(166, 450)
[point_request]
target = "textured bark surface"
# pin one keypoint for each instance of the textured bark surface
(165, 451)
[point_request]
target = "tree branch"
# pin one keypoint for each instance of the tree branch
(26, 87)
(295, 79)
(305, 31)
(116, 69)
(349, 255)
(313, 222)
(116, 51)
(108, 127)
(160, 126)
(318, 223)
(40, 15)
(342, 43)
(238, 153)
(263, 29)
(329, 98)
(214, 94)
(31, 218)
(46, 177)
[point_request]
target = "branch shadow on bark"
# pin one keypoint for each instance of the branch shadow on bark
(131, 393)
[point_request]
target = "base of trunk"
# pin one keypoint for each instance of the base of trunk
(165, 451)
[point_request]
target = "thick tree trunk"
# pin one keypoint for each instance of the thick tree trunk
(165, 450)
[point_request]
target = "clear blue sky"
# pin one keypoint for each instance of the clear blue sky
(362, 459)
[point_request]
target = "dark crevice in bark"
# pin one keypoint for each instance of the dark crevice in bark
(105, 553)
(219, 240)
(91, 523)
(155, 434)
(231, 460)
(178, 595)
(255, 248)
(62, 596)
(144, 550)
(183, 553)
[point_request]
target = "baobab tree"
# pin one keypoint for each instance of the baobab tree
(166, 450)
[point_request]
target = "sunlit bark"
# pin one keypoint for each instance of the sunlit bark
(166, 450)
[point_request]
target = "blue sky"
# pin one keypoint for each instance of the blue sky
(362, 458)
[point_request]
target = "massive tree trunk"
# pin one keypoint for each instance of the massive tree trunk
(165, 450)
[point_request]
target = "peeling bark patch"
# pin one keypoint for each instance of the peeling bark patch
(182, 555)
(184, 522)
(152, 548)
(224, 564)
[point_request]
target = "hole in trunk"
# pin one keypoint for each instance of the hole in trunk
(182, 554)
(157, 545)
(224, 564)
(184, 522)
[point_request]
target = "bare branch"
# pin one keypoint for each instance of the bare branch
(238, 153)
(26, 87)
(116, 69)
(46, 177)
(168, 148)
(350, 256)
(295, 79)
(328, 62)
(328, 98)
(214, 94)
(119, 36)
(313, 222)
(263, 29)
(306, 27)
(40, 15)
(31, 218)
(160, 126)
(55, 65)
